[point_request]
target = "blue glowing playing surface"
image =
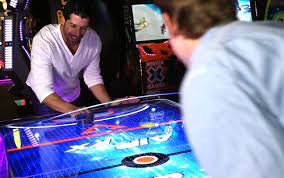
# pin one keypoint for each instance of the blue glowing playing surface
(144, 139)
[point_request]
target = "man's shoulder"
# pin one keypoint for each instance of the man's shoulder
(91, 33)
(92, 38)
(47, 30)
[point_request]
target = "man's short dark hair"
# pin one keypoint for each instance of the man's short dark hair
(195, 17)
(78, 7)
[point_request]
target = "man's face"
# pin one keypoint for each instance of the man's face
(74, 29)
(182, 46)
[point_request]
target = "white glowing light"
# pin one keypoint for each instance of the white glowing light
(8, 25)
(14, 3)
(4, 5)
(8, 57)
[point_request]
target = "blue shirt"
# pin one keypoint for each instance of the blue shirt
(233, 100)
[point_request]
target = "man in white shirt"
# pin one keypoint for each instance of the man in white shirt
(232, 96)
(59, 53)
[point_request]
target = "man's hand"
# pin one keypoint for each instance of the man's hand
(58, 104)
(125, 100)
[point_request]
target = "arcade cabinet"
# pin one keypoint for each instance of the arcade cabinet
(157, 68)
(15, 56)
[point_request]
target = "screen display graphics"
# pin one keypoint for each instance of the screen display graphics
(243, 9)
(148, 23)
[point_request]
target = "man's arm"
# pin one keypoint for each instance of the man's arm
(56, 103)
(99, 91)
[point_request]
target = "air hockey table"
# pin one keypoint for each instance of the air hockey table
(144, 139)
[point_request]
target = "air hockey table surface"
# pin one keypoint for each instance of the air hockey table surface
(144, 139)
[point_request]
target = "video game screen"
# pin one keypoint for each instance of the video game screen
(243, 9)
(148, 23)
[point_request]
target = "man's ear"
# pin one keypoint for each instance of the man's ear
(172, 27)
(63, 20)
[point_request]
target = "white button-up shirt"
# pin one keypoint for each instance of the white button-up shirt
(55, 69)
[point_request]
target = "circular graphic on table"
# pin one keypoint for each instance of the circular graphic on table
(145, 160)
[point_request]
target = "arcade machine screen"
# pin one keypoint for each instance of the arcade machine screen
(148, 23)
(144, 139)
(243, 9)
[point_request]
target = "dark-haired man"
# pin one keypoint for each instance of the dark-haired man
(59, 53)
(232, 97)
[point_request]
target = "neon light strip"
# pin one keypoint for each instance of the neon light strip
(21, 30)
(27, 4)
(41, 127)
(88, 136)
(6, 81)
(26, 51)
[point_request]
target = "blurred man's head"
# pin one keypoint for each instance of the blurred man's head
(188, 20)
(193, 18)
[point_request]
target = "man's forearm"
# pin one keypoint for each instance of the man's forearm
(99, 91)
(58, 104)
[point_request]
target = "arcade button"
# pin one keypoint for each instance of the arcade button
(145, 160)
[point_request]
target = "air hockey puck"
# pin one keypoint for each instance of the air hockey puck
(145, 160)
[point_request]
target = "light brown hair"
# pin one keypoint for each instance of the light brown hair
(195, 17)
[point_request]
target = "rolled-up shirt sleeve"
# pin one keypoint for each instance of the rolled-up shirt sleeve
(40, 77)
(92, 72)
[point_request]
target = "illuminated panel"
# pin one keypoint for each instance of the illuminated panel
(13, 3)
(21, 30)
(8, 45)
(22, 39)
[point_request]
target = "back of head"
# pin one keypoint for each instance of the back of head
(195, 17)
(78, 7)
